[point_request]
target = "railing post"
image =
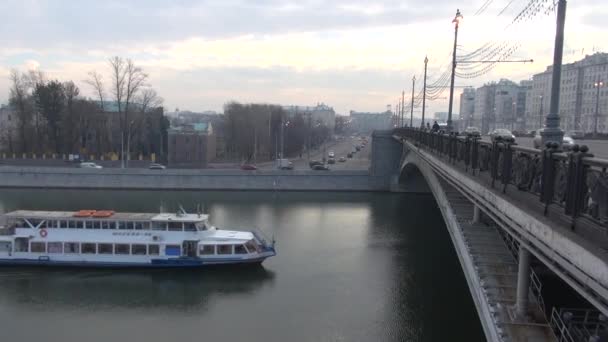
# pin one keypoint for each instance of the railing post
(494, 160)
(467, 152)
(475, 154)
(507, 164)
(576, 187)
(547, 182)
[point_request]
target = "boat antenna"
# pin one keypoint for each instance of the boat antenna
(181, 210)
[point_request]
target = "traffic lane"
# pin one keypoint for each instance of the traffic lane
(599, 148)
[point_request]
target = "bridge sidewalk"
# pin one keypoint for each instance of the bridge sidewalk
(496, 271)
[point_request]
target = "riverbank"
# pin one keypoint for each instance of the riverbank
(184, 179)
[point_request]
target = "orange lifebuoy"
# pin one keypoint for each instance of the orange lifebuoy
(43, 233)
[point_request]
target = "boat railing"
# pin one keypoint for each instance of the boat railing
(10, 230)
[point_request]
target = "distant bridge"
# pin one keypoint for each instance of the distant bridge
(503, 204)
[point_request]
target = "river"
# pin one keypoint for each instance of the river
(350, 267)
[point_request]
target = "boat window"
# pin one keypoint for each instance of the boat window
(239, 249)
(130, 225)
(105, 248)
(121, 248)
(21, 245)
(38, 247)
(122, 225)
(89, 248)
(107, 225)
(63, 224)
(55, 247)
(139, 225)
(138, 249)
(97, 224)
(49, 224)
(175, 226)
(207, 249)
(80, 224)
(88, 224)
(201, 226)
(34, 222)
(153, 249)
(71, 247)
(173, 250)
(159, 225)
(252, 247)
(224, 249)
(189, 226)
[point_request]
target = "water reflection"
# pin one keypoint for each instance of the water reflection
(74, 289)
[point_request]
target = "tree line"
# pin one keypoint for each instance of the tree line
(253, 131)
(53, 117)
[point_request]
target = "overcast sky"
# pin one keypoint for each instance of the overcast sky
(348, 54)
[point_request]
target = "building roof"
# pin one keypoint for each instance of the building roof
(199, 127)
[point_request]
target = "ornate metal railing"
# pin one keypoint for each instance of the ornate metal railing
(575, 182)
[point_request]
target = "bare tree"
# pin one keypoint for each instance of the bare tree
(95, 81)
(71, 121)
(19, 100)
(149, 99)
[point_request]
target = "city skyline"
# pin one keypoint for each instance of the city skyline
(351, 55)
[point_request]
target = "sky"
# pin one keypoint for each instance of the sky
(352, 55)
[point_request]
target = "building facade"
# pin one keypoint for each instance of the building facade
(191, 146)
(320, 113)
(366, 122)
(467, 106)
(583, 106)
(500, 105)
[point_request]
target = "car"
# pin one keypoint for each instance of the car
(342, 159)
(89, 165)
(577, 135)
(284, 164)
(331, 154)
(349, 155)
(312, 163)
(567, 142)
(248, 167)
(502, 134)
(320, 167)
(358, 148)
(472, 131)
(331, 161)
(156, 166)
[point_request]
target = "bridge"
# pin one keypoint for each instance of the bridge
(505, 207)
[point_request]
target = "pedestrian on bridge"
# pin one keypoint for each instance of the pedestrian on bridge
(435, 127)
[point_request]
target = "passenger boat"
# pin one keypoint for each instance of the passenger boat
(103, 238)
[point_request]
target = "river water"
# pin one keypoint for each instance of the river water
(350, 267)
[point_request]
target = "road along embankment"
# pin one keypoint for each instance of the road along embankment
(183, 179)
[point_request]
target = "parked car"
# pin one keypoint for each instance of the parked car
(502, 134)
(89, 165)
(567, 142)
(472, 131)
(331, 161)
(156, 166)
(349, 155)
(248, 167)
(312, 163)
(331, 154)
(320, 168)
(342, 159)
(358, 148)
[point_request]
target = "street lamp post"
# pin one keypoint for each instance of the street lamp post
(540, 113)
(456, 22)
(426, 62)
(597, 85)
(552, 132)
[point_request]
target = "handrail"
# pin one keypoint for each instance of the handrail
(575, 181)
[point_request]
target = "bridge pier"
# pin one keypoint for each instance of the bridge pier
(523, 282)
(476, 214)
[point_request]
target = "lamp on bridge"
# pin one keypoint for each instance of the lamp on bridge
(456, 22)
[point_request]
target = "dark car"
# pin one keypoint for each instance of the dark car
(312, 163)
(320, 167)
(331, 161)
(248, 167)
(349, 155)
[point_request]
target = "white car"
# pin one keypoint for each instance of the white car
(89, 165)
(331, 154)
